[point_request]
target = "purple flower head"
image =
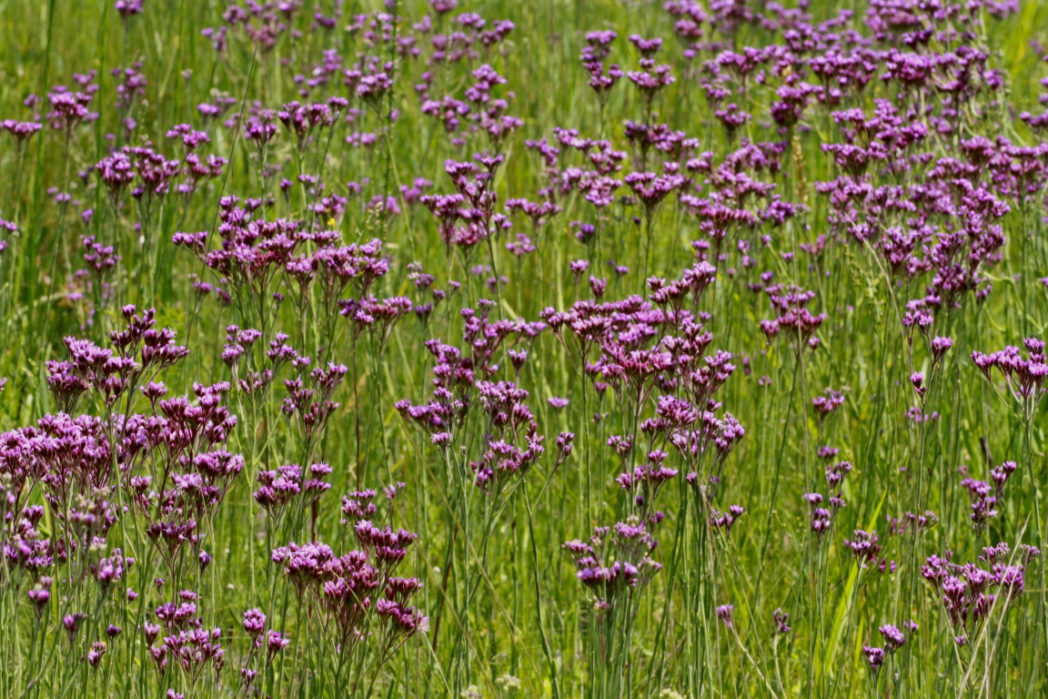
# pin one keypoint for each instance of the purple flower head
(893, 637)
(94, 656)
(724, 614)
(20, 130)
(827, 404)
(874, 657)
(1024, 376)
(71, 622)
(781, 620)
(940, 346)
(129, 8)
(275, 642)
(254, 622)
(39, 596)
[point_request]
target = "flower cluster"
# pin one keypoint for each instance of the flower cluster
(969, 592)
(358, 593)
(614, 560)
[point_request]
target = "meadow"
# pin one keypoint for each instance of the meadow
(461, 348)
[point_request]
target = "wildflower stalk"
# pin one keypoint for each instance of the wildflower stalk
(798, 359)
(555, 689)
